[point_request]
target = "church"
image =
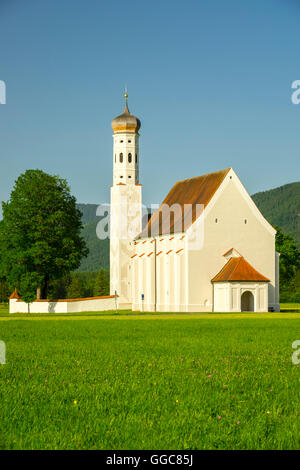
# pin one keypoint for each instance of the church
(206, 249)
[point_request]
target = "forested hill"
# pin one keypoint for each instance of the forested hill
(281, 206)
(98, 256)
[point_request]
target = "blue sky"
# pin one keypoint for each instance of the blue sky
(210, 81)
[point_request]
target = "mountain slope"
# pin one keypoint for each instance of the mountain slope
(98, 256)
(281, 206)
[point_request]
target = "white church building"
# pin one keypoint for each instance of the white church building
(206, 249)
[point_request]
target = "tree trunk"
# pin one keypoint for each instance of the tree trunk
(39, 293)
(42, 290)
(45, 287)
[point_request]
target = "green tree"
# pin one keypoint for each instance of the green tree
(101, 286)
(88, 279)
(27, 283)
(40, 234)
(76, 288)
(289, 261)
(4, 290)
(295, 296)
(58, 287)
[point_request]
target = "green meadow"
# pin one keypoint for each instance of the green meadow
(208, 381)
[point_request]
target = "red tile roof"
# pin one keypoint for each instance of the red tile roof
(238, 269)
(193, 191)
(227, 252)
(73, 300)
(15, 295)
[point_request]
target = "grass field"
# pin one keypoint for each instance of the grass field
(124, 382)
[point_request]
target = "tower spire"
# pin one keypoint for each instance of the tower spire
(126, 96)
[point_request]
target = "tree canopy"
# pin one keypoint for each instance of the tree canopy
(40, 234)
(289, 261)
(101, 286)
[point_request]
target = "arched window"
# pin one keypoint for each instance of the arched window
(121, 157)
(129, 158)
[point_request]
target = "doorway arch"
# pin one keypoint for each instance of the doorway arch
(247, 302)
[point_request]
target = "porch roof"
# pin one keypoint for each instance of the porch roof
(238, 269)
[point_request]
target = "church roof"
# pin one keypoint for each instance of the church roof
(238, 269)
(15, 295)
(194, 192)
(126, 122)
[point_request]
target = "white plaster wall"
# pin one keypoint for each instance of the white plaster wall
(67, 306)
(159, 258)
(227, 296)
(125, 224)
(277, 280)
(126, 172)
(221, 297)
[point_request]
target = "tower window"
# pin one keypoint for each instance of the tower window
(121, 176)
(121, 141)
(216, 220)
(245, 221)
(129, 157)
(129, 176)
(121, 157)
(136, 158)
(129, 141)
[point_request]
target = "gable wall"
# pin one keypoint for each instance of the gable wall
(252, 240)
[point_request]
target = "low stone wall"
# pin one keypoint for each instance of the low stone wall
(89, 304)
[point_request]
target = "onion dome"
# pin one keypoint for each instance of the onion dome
(126, 122)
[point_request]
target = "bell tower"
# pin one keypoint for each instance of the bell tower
(125, 203)
(126, 147)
